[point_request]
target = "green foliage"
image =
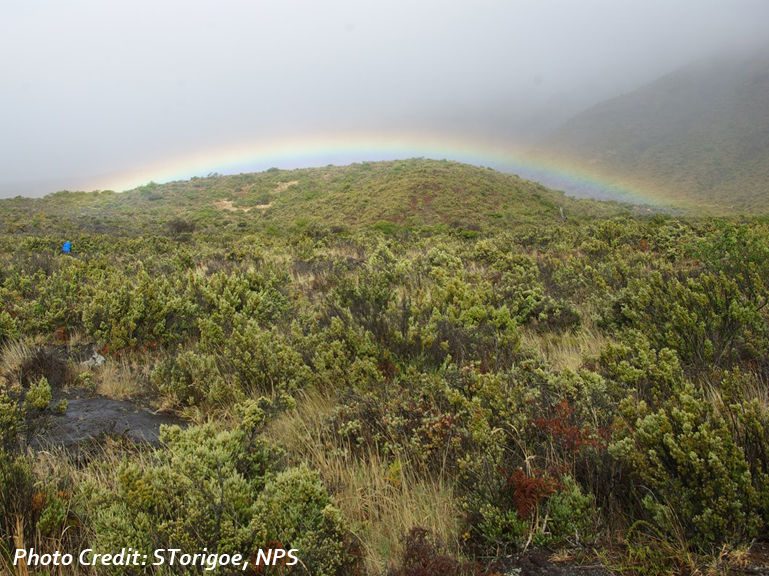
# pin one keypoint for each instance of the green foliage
(17, 478)
(573, 516)
(632, 364)
(8, 328)
(39, 395)
(195, 493)
(145, 310)
(388, 228)
(685, 462)
(701, 148)
(535, 508)
(222, 490)
(561, 380)
(295, 509)
(10, 418)
(709, 319)
(17, 489)
(54, 514)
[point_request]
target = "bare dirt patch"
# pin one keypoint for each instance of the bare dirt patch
(228, 206)
(283, 186)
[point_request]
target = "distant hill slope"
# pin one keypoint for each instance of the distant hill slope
(387, 195)
(699, 136)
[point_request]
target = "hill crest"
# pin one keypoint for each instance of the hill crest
(388, 194)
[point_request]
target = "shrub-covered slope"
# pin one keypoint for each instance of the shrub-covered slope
(699, 135)
(392, 194)
(388, 399)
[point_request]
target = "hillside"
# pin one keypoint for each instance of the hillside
(388, 195)
(383, 367)
(699, 135)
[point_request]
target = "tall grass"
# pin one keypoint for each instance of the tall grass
(564, 350)
(382, 502)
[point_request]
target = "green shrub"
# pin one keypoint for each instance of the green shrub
(223, 490)
(195, 492)
(264, 362)
(193, 379)
(145, 310)
(684, 462)
(296, 510)
(712, 321)
(39, 395)
(17, 494)
(386, 227)
(10, 419)
(8, 327)
(54, 513)
(632, 364)
(573, 516)
(344, 356)
(532, 508)
(544, 313)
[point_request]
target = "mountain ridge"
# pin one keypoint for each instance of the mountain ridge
(698, 136)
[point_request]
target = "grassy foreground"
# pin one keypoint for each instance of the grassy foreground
(412, 398)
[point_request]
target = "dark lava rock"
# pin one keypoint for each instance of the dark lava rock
(91, 418)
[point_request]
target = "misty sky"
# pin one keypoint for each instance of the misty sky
(90, 88)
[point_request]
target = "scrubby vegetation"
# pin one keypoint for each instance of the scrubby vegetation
(695, 138)
(411, 399)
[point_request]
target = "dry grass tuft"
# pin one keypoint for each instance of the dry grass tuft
(567, 350)
(121, 378)
(382, 501)
(19, 544)
(24, 363)
(14, 355)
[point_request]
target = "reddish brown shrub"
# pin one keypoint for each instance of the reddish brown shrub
(528, 491)
(424, 556)
(568, 435)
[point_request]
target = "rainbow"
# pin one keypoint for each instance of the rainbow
(345, 148)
